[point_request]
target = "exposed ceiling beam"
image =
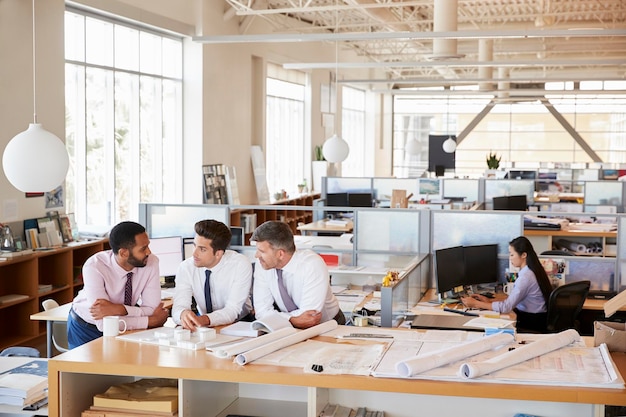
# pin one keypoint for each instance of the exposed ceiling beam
(460, 63)
(361, 36)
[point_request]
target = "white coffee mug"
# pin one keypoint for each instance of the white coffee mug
(508, 288)
(111, 326)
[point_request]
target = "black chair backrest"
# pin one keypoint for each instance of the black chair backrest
(565, 305)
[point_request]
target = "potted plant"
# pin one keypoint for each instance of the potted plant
(319, 166)
(493, 163)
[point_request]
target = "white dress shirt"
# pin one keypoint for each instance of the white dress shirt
(231, 280)
(307, 281)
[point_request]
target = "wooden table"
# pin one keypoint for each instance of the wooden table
(215, 387)
(324, 226)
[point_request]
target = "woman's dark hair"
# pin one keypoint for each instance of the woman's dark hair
(217, 232)
(521, 245)
(123, 235)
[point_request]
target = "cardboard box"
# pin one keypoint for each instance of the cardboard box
(611, 333)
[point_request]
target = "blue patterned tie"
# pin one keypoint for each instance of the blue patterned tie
(287, 300)
(207, 292)
(128, 291)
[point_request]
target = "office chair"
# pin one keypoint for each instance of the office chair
(59, 329)
(24, 351)
(565, 304)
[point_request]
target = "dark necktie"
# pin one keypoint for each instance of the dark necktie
(287, 300)
(207, 292)
(128, 290)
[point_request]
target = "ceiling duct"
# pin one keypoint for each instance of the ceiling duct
(445, 19)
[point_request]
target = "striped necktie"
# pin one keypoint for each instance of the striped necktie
(207, 292)
(128, 290)
(287, 300)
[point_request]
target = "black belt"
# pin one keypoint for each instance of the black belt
(80, 320)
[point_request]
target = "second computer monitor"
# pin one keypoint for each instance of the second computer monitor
(481, 264)
(169, 250)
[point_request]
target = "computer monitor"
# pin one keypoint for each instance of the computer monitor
(169, 250)
(449, 268)
(188, 247)
(481, 264)
(337, 200)
(512, 202)
(237, 238)
(360, 199)
(521, 175)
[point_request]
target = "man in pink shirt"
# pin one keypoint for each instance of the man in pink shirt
(123, 281)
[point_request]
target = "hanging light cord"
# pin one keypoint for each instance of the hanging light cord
(34, 66)
(336, 66)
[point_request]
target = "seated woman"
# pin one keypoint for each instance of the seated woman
(531, 291)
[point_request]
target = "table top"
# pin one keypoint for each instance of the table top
(326, 226)
(112, 356)
(60, 313)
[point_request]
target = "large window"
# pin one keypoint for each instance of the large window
(524, 133)
(123, 100)
(353, 132)
(285, 130)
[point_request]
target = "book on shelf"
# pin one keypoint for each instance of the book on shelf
(114, 412)
(23, 401)
(15, 254)
(27, 382)
(268, 324)
(148, 395)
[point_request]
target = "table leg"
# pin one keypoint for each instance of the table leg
(49, 338)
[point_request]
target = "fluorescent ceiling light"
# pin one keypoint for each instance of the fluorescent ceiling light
(366, 36)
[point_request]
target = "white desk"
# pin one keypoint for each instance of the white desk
(50, 316)
(7, 363)
(60, 314)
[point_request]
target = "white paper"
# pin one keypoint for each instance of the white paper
(258, 352)
(436, 359)
(521, 354)
(237, 348)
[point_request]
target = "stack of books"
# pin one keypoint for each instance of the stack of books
(154, 397)
(25, 384)
(332, 410)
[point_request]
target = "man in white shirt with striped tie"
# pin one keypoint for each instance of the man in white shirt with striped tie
(295, 282)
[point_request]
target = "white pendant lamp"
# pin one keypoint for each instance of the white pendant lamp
(335, 149)
(449, 145)
(35, 160)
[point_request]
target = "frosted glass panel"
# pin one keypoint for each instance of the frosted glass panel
(164, 220)
(342, 184)
(384, 186)
(388, 230)
(498, 188)
(604, 192)
(461, 188)
(454, 228)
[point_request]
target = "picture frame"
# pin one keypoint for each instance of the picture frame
(66, 228)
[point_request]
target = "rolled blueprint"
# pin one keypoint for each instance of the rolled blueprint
(518, 355)
(301, 335)
(419, 364)
(237, 348)
(571, 246)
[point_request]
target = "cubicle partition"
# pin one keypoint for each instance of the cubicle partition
(604, 196)
(500, 188)
(164, 220)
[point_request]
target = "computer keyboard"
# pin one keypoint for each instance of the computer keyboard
(488, 294)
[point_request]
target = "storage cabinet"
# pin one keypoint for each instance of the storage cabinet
(290, 211)
(597, 243)
(39, 276)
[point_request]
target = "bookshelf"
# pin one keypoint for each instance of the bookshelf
(39, 276)
(291, 211)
